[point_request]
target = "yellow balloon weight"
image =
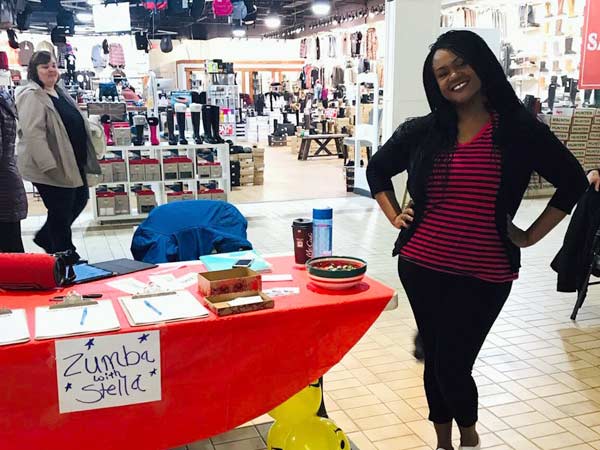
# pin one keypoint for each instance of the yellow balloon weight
(317, 433)
(278, 433)
(299, 407)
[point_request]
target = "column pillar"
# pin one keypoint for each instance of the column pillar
(411, 26)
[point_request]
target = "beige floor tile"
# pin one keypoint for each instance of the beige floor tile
(361, 441)
(577, 409)
(399, 443)
(511, 409)
(498, 399)
(522, 420)
(590, 420)
(545, 408)
(201, 445)
(515, 440)
(368, 411)
(383, 420)
(236, 435)
(342, 420)
(246, 444)
(388, 432)
(491, 421)
(356, 402)
(551, 390)
(340, 394)
(404, 411)
(540, 430)
(565, 399)
(583, 432)
(557, 441)
(537, 381)
(383, 392)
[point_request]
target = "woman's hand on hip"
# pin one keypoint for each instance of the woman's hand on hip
(518, 237)
(594, 179)
(405, 219)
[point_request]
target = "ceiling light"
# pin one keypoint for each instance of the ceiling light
(273, 21)
(84, 17)
(321, 7)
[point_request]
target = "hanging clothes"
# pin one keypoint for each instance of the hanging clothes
(372, 44)
(338, 76)
(345, 45)
(332, 46)
(318, 47)
(303, 50)
(116, 55)
(356, 42)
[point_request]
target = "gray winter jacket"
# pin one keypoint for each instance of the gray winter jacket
(13, 201)
(44, 152)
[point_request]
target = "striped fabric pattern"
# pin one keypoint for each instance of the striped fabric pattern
(458, 232)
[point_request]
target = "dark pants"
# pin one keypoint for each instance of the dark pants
(454, 314)
(64, 206)
(10, 237)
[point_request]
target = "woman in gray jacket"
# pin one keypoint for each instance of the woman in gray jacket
(54, 152)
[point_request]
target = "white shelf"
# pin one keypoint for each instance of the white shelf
(164, 146)
(122, 217)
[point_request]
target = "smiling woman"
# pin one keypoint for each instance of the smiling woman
(469, 163)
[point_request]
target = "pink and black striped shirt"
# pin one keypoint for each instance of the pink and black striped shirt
(458, 231)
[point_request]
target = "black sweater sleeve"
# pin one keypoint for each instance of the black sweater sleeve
(553, 161)
(390, 160)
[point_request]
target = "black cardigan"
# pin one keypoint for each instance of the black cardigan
(526, 145)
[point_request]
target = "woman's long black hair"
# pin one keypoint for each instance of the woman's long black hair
(498, 92)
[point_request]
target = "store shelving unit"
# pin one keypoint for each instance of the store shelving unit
(160, 152)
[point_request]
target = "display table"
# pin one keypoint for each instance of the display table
(217, 372)
(323, 140)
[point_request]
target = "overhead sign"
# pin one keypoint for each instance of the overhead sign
(589, 74)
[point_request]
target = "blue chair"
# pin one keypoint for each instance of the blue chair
(186, 230)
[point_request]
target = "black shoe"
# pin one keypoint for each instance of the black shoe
(419, 352)
(40, 242)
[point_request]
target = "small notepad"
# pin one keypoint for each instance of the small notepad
(164, 308)
(13, 327)
(59, 322)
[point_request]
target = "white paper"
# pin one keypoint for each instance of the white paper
(167, 281)
(281, 277)
(127, 285)
(281, 291)
(13, 327)
(108, 371)
(240, 301)
(188, 280)
(51, 323)
(179, 306)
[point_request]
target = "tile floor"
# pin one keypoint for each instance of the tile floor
(538, 374)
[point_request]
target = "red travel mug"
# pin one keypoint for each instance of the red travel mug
(302, 230)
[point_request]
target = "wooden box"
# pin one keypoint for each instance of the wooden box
(220, 305)
(237, 279)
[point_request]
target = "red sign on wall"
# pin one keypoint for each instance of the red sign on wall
(589, 74)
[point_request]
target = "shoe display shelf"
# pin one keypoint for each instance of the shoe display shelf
(161, 185)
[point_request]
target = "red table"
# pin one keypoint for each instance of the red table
(217, 373)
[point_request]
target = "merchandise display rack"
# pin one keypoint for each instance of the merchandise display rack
(159, 152)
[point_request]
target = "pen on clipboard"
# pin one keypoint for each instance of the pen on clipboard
(83, 316)
(152, 307)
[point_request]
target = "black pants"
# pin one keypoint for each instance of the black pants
(454, 314)
(10, 237)
(64, 206)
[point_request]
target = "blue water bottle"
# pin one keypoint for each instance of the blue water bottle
(322, 232)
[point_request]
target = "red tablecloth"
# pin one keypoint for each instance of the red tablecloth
(217, 373)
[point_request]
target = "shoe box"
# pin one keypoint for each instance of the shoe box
(146, 200)
(277, 141)
(106, 203)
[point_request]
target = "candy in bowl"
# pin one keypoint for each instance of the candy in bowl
(336, 272)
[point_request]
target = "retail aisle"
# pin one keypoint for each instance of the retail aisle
(538, 373)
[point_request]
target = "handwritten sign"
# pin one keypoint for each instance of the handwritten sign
(108, 371)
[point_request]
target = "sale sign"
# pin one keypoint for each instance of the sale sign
(589, 75)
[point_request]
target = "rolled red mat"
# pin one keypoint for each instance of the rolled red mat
(31, 271)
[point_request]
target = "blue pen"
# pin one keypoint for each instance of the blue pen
(83, 316)
(152, 307)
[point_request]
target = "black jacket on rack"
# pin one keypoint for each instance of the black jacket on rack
(526, 145)
(13, 201)
(574, 258)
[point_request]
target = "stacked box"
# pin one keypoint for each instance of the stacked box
(204, 194)
(137, 172)
(258, 157)
(121, 133)
(247, 171)
(106, 203)
(152, 169)
(592, 155)
(174, 196)
(188, 195)
(119, 170)
(216, 171)
(146, 201)
(107, 171)
(234, 173)
(218, 194)
(185, 168)
(122, 203)
(277, 141)
(171, 169)
(204, 169)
